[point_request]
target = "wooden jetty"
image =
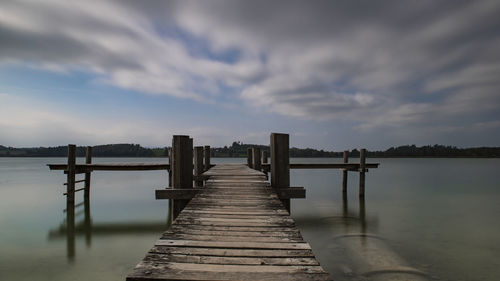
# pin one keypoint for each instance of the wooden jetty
(230, 222)
(236, 228)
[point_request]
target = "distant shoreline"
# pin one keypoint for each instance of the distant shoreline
(239, 150)
(316, 157)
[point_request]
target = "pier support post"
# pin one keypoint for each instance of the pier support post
(182, 170)
(169, 171)
(198, 165)
(70, 183)
(256, 159)
(280, 164)
(249, 158)
(344, 172)
(362, 168)
(88, 160)
(206, 153)
(264, 161)
(70, 201)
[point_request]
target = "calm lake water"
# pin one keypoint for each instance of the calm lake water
(439, 216)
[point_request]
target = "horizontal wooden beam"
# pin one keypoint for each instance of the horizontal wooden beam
(75, 182)
(347, 166)
(76, 190)
(291, 192)
(180, 193)
(200, 177)
(112, 167)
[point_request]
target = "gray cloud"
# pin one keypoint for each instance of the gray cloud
(384, 64)
(411, 60)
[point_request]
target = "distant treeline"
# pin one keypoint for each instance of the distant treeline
(108, 150)
(238, 149)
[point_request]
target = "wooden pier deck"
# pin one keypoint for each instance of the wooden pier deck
(234, 228)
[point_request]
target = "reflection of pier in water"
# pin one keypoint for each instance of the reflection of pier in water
(70, 229)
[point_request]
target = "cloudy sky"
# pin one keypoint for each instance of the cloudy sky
(333, 74)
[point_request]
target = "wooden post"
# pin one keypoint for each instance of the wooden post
(182, 169)
(264, 161)
(70, 201)
(88, 160)
(70, 183)
(169, 171)
(206, 153)
(198, 165)
(344, 172)
(249, 158)
(280, 164)
(362, 167)
(256, 159)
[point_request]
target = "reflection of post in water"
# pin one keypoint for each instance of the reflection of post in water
(345, 209)
(362, 215)
(72, 227)
(70, 232)
(87, 223)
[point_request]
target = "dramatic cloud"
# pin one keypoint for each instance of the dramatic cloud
(384, 64)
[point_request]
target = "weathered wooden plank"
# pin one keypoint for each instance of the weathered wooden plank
(171, 193)
(230, 220)
(234, 212)
(232, 245)
(247, 195)
(231, 238)
(187, 230)
(236, 228)
(277, 253)
(153, 271)
(291, 192)
(168, 258)
(233, 223)
(226, 268)
(273, 221)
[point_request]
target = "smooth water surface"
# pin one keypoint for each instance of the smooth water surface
(439, 216)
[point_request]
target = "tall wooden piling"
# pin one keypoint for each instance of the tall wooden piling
(344, 172)
(280, 164)
(182, 169)
(70, 183)
(169, 171)
(198, 165)
(362, 168)
(70, 201)
(88, 160)
(264, 161)
(206, 153)
(256, 159)
(249, 158)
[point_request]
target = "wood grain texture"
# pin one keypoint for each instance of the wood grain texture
(235, 228)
